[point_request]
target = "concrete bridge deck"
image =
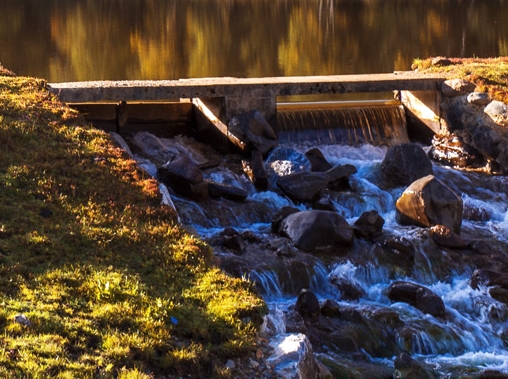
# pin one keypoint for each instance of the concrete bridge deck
(141, 90)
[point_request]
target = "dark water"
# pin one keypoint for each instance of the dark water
(63, 40)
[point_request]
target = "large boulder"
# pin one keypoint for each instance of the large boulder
(404, 163)
(428, 202)
(317, 231)
(418, 296)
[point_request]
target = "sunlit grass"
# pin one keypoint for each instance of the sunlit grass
(490, 75)
(110, 285)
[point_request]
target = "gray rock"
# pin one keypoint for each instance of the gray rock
(457, 87)
(316, 231)
(293, 357)
(418, 296)
(254, 130)
(303, 186)
(478, 98)
(496, 108)
(405, 163)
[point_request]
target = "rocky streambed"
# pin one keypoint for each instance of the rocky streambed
(376, 261)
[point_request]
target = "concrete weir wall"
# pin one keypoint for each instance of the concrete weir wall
(216, 100)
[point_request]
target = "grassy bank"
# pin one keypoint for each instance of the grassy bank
(489, 74)
(96, 278)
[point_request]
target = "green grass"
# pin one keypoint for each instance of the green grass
(111, 285)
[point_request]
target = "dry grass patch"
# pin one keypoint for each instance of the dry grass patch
(489, 74)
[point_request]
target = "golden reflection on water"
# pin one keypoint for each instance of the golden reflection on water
(94, 39)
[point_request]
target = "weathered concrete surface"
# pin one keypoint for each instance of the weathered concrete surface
(241, 88)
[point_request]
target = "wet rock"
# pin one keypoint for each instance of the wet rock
(499, 293)
(338, 177)
(226, 191)
(481, 247)
(478, 98)
(307, 304)
(443, 236)
(230, 239)
(475, 213)
(316, 231)
(324, 203)
(492, 374)
(303, 186)
(317, 160)
(184, 177)
(293, 357)
(369, 225)
(330, 308)
(280, 216)
(284, 161)
(348, 290)
(394, 256)
(418, 296)
(259, 175)
(254, 131)
(407, 367)
(451, 150)
(488, 278)
(405, 163)
(457, 87)
(281, 247)
(428, 202)
(484, 130)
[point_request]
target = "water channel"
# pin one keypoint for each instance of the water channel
(62, 40)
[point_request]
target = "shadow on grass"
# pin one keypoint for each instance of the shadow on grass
(104, 276)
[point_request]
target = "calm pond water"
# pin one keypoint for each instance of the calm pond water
(63, 40)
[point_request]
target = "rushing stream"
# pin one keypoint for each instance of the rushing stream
(472, 337)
